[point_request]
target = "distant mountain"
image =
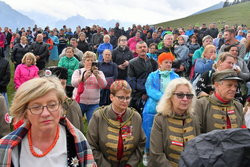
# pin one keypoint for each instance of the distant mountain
(214, 7)
(12, 18)
(74, 21)
(41, 19)
(17, 19)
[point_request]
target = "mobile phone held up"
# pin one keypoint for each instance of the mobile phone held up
(94, 66)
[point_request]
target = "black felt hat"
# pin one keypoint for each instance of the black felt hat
(60, 72)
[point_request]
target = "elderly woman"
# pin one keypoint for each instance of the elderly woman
(207, 40)
(155, 87)
(205, 63)
(26, 71)
(105, 45)
(45, 138)
(92, 81)
(174, 125)
(114, 133)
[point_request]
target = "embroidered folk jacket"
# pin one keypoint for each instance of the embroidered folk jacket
(168, 138)
(213, 114)
(103, 135)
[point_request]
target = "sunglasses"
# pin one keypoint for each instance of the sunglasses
(182, 95)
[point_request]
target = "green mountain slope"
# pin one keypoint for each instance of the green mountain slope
(236, 14)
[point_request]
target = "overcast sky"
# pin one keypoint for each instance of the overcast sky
(135, 11)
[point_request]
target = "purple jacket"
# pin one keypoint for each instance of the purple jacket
(24, 73)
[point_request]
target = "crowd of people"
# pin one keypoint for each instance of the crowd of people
(145, 93)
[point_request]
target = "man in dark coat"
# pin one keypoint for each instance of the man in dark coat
(40, 50)
(138, 71)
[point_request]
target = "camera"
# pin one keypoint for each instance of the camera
(94, 66)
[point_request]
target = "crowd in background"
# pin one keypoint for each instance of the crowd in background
(148, 58)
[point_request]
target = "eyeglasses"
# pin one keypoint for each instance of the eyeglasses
(182, 95)
(123, 40)
(123, 98)
(36, 110)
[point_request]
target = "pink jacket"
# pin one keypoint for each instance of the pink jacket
(2, 39)
(132, 45)
(92, 87)
(24, 73)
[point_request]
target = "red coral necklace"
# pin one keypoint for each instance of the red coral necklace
(48, 150)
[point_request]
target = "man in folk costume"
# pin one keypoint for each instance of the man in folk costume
(220, 110)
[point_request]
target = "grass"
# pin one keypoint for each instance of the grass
(11, 88)
(236, 14)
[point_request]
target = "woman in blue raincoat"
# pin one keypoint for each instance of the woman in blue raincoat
(155, 86)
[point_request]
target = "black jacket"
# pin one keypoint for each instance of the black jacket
(119, 56)
(8, 38)
(83, 46)
(40, 49)
(138, 71)
(213, 32)
(113, 41)
(151, 40)
(18, 53)
(4, 74)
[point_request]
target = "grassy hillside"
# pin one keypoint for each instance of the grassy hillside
(236, 14)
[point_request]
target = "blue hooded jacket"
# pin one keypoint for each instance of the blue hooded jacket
(153, 88)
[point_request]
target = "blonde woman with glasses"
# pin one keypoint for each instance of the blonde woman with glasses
(174, 125)
(46, 138)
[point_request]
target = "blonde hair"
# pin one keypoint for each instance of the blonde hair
(89, 54)
(120, 85)
(165, 106)
(106, 36)
(24, 38)
(33, 89)
(29, 55)
(222, 57)
(207, 48)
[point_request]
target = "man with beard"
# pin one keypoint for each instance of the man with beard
(138, 71)
(220, 110)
